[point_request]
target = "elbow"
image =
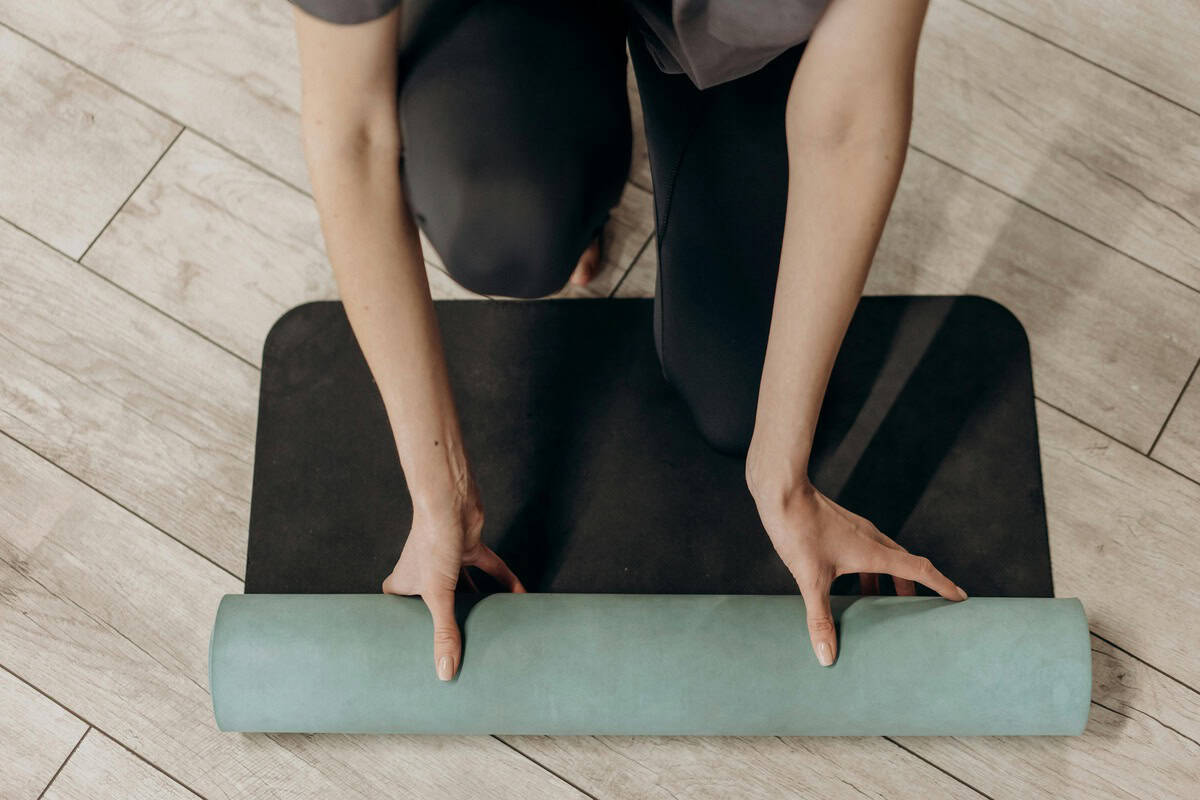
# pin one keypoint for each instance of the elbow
(854, 125)
(343, 141)
(871, 115)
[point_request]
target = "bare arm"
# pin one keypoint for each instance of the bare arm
(848, 119)
(352, 147)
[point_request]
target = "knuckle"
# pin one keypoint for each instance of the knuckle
(821, 625)
(924, 566)
(811, 586)
(445, 637)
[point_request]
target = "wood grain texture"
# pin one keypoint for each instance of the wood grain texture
(127, 399)
(227, 68)
(72, 147)
(1142, 741)
(639, 168)
(112, 619)
(754, 768)
(36, 734)
(642, 276)
(1066, 137)
(1151, 43)
(1123, 540)
(1179, 445)
(1113, 341)
(217, 244)
(101, 768)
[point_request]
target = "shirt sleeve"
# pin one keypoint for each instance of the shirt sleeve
(346, 12)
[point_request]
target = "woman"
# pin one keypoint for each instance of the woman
(502, 129)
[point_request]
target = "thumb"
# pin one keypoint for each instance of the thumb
(820, 624)
(447, 643)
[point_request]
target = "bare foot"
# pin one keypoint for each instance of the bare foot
(589, 264)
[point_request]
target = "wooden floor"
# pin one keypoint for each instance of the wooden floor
(155, 219)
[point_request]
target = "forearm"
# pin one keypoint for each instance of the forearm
(375, 253)
(844, 167)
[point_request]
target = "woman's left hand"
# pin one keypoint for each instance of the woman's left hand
(819, 540)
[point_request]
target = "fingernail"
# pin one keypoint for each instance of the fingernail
(825, 654)
(445, 668)
(961, 594)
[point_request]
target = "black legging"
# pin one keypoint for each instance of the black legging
(517, 143)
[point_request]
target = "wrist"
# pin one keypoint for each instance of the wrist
(777, 480)
(440, 484)
(437, 507)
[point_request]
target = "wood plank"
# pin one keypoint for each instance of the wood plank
(217, 244)
(639, 170)
(642, 276)
(224, 67)
(72, 147)
(755, 768)
(112, 619)
(1123, 540)
(1112, 341)
(1142, 741)
(125, 398)
(36, 736)
(1069, 138)
(1179, 446)
(628, 230)
(1149, 42)
(101, 768)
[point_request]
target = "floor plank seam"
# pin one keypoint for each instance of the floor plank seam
(54, 777)
(939, 768)
(129, 196)
(102, 624)
(1150, 716)
(169, 117)
(98, 729)
(1082, 58)
(1110, 437)
(1143, 661)
(1174, 406)
(126, 291)
(629, 269)
(533, 760)
(1043, 213)
(122, 506)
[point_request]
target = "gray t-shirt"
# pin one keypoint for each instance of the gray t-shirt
(714, 41)
(711, 41)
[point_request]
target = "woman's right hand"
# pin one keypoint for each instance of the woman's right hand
(441, 543)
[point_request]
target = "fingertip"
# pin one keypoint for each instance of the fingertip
(445, 667)
(825, 654)
(962, 595)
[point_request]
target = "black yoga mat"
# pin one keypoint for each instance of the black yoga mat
(595, 479)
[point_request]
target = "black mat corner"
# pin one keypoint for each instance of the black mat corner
(594, 478)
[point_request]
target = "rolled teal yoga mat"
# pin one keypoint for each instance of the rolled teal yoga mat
(543, 663)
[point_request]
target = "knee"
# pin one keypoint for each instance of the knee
(512, 241)
(723, 403)
(727, 431)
